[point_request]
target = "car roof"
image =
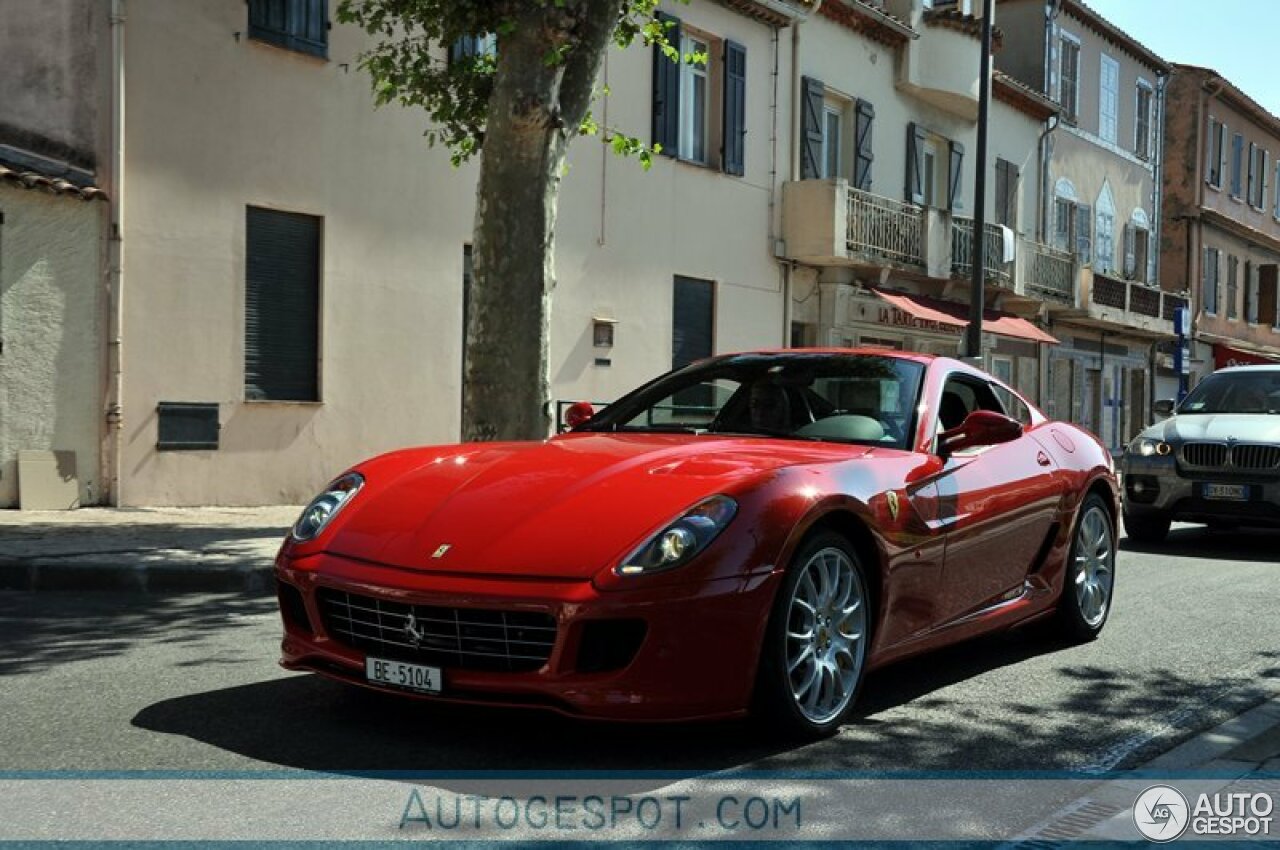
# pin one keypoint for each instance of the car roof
(876, 352)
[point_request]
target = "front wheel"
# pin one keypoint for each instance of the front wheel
(1091, 572)
(815, 651)
(1146, 529)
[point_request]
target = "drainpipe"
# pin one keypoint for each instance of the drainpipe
(113, 460)
(1157, 202)
(793, 170)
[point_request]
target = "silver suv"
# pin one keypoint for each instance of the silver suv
(1215, 461)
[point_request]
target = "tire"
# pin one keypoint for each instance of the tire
(1146, 529)
(1089, 580)
(813, 661)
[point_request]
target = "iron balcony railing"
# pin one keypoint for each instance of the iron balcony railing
(885, 228)
(962, 253)
(1049, 272)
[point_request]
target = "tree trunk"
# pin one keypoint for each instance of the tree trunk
(534, 111)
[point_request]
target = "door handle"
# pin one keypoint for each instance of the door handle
(1042, 459)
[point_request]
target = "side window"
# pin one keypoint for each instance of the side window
(1013, 406)
(960, 397)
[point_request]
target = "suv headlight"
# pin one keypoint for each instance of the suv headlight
(680, 541)
(325, 507)
(1146, 447)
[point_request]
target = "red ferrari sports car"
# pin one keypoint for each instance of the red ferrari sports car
(751, 532)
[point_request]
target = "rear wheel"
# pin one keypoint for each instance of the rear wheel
(815, 651)
(1146, 529)
(1091, 570)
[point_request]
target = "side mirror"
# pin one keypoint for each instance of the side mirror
(1163, 407)
(577, 413)
(980, 428)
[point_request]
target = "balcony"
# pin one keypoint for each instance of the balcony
(962, 253)
(942, 67)
(828, 223)
(1129, 304)
(1047, 273)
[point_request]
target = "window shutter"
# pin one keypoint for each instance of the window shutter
(955, 176)
(1084, 233)
(1130, 254)
(666, 91)
(915, 164)
(311, 30)
(1250, 293)
(1237, 167)
(865, 116)
(1208, 152)
(811, 92)
(282, 306)
(1209, 281)
(1252, 174)
(735, 108)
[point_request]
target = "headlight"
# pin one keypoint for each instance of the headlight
(1147, 447)
(681, 540)
(326, 506)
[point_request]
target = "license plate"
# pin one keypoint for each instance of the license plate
(1227, 492)
(398, 674)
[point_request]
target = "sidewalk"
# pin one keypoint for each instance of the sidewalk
(1241, 755)
(142, 549)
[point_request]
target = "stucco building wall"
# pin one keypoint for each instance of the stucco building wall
(50, 318)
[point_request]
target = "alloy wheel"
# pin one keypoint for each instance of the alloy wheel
(1094, 566)
(826, 635)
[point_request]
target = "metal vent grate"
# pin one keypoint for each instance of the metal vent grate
(461, 638)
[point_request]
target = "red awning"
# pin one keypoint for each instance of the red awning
(1224, 356)
(957, 315)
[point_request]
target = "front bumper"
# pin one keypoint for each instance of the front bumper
(1158, 487)
(697, 657)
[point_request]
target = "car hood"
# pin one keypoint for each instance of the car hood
(1217, 427)
(564, 508)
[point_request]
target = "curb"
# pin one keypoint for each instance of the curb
(50, 575)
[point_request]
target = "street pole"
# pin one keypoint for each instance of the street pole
(973, 334)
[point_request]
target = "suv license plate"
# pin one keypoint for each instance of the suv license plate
(1227, 492)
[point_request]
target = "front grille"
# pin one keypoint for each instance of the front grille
(1205, 454)
(1250, 456)
(461, 638)
(1241, 456)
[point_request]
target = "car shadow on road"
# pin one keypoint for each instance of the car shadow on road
(307, 722)
(1197, 541)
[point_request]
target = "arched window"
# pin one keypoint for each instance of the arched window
(1105, 238)
(1137, 246)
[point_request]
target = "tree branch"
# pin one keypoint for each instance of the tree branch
(597, 21)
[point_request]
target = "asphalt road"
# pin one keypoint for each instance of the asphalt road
(113, 682)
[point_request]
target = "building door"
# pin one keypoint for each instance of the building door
(1138, 404)
(1093, 400)
(692, 332)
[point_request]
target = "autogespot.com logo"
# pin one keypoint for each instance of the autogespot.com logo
(1161, 813)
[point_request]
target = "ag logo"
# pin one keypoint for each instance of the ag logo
(1161, 813)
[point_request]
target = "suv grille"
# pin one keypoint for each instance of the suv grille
(1205, 454)
(1242, 456)
(1249, 456)
(462, 638)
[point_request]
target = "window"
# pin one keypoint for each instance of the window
(929, 179)
(1215, 151)
(282, 306)
(693, 101)
(1209, 281)
(1237, 165)
(1137, 242)
(301, 25)
(1142, 119)
(1104, 241)
(1069, 77)
(1257, 176)
(1232, 286)
(692, 331)
(832, 140)
(1109, 100)
(1084, 234)
(1064, 212)
(1006, 194)
(684, 94)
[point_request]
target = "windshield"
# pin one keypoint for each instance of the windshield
(1235, 392)
(843, 398)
